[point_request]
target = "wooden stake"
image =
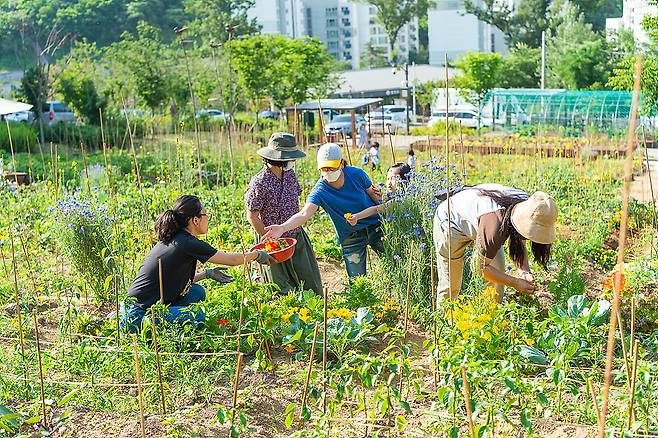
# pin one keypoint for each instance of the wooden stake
(308, 373)
(390, 140)
(447, 158)
(324, 352)
(628, 174)
(347, 148)
(38, 342)
(236, 384)
(595, 403)
(631, 412)
(467, 400)
(406, 311)
(623, 350)
(138, 380)
(18, 305)
(157, 361)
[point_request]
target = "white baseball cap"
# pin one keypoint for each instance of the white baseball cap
(329, 155)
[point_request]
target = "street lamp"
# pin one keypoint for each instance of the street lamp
(405, 85)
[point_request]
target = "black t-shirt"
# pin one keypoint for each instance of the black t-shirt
(179, 258)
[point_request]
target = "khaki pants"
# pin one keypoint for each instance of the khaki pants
(458, 244)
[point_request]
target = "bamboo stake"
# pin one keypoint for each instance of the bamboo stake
(406, 311)
(461, 144)
(117, 308)
(447, 158)
(157, 362)
(390, 140)
(623, 350)
(628, 170)
(138, 379)
(18, 305)
(41, 384)
(308, 373)
(347, 148)
(11, 148)
(595, 403)
(246, 273)
(35, 314)
(137, 172)
(323, 135)
(236, 384)
(467, 401)
(324, 352)
(631, 412)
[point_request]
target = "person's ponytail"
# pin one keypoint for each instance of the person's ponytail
(175, 219)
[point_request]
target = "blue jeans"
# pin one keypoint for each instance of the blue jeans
(354, 248)
(132, 315)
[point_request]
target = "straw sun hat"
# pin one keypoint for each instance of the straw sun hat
(281, 147)
(535, 218)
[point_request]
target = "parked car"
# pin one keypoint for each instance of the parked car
(21, 116)
(212, 114)
(133, 113)
(273, 115)
(396, 112)
(343, 123)
(467, 118)
(386, 123)
(54, 112)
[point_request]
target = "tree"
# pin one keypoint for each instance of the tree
(577, 57)
(521, 68)
(425, 93)
(76, 83)
(622, 76)
(374, 57)
(393, 14)
(283, 69)
(139, 66)
(525, 23)
(521, 26)
(214, 18)
(480, 73)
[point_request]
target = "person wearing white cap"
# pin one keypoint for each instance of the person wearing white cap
(489, 215)
(272, 197)
(341, 190)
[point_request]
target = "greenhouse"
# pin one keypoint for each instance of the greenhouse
(569, 108)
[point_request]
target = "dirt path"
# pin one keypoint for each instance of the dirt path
(641, 187)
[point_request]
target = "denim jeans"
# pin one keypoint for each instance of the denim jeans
(354, 248)
(132, 315)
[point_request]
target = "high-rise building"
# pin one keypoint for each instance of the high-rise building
(633, 13)
(346, 27)
(453, 32)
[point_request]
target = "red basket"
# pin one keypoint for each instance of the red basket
(282, 254)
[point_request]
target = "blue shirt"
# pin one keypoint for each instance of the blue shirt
(350, 198)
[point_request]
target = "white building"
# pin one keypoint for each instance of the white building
(344, 26)
(452, 31)
(633, 13)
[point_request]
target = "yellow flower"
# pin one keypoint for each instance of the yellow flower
(304, 314)
(289, 348)
(379, 315)
(530, 342)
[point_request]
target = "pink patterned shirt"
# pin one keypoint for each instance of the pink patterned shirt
(276, 199)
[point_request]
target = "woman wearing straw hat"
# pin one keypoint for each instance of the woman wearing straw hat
(489, 215)
(341, 190)
(272, 198)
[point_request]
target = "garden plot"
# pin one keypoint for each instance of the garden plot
(395, 365)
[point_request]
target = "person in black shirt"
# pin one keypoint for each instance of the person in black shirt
(178, 250)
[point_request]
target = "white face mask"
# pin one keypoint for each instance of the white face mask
(331, 176)
(289, 165)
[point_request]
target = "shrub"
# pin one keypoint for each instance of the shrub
(83, 229)
(23, 137)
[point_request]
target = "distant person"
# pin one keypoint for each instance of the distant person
(374, 156)
(489, 215)
(364, 139)
(341, 190)
(411, 158)
(272, 198)
(179, 250)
